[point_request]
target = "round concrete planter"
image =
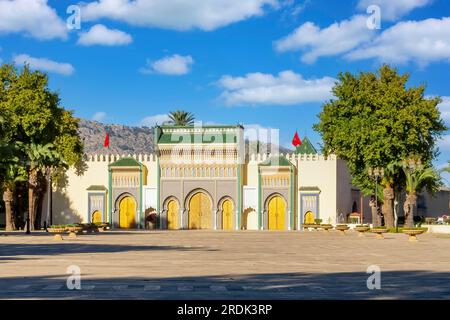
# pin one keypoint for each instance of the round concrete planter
(326, 227)
(379, 232)
(412, 233)
(342, 228)
(57, 233)
(361, 230)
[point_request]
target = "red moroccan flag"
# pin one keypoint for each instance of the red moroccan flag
(296, 140)
(106, 144)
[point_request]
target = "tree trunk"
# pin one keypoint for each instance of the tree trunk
(39, 198)
(8, 199)
(32, 183)
(410, 207)
(375, 217)
(388, 206)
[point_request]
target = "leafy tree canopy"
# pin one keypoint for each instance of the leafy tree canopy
(376, 120)
(33, 116)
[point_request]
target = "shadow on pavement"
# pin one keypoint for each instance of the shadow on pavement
(347, 285)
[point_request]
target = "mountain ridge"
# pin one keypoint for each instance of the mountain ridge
(132, 140)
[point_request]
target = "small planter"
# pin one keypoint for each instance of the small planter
(326, 227)
(57, 233)
(342, 228)
(362, 229)
(412, 233)
(379, 232)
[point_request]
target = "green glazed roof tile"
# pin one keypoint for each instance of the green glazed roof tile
(306, 147)
(125, 162)
(96, 188)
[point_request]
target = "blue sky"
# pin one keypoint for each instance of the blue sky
(263, 63)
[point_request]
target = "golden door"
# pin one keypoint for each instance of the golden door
(97, 217)
(276, 213)
(172, 215)
(200, 212)
(309, 218)
(227, 215)
(127, 213)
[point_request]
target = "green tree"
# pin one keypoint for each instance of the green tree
(39, 157)
(12, 171)
(181, 118)
(46, 133)
(376, 120)
(416, 179)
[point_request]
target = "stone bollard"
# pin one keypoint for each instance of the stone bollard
(72, 234)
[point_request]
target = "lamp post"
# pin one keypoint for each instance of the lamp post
(376, 174)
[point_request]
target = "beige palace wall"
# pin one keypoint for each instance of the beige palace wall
(70, 199)
(321, 172)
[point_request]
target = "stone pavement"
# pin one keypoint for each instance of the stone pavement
(224, 265)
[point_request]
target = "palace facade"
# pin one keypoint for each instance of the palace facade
(204, 178)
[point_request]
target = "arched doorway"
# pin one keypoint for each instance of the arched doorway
(227, 215)
(97, 217)
(277, 212)
(200, 211)
(172, 214)
(309, 218)
(127, 213)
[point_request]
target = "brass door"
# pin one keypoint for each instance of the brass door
(97, 217)
(172, 215)
(127, 213)
(277, 212)
(227, 215)
(200, 212)
(309, 218)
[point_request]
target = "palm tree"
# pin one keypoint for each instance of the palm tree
(39, 157)
(12, 172)
(391, 180)
(417, 178)
(181, 118)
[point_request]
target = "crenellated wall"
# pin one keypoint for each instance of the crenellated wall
(328, 174)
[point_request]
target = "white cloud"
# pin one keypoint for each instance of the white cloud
(150, 121)
(101, 35)
(286, 88)
(33, 18)
(338, 38)
(177, 14)
(444, 143)
(45, 64)
(409, 41)
(393, 9)
(99, 116)
(444, 107)
(171, 65)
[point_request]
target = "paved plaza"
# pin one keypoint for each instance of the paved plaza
(224, 265)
